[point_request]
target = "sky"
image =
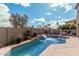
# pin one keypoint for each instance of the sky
(38, 13)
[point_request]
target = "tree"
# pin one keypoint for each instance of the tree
(65, 26)
(48, 25)
(73, 27)
(32, 27)
(57, 25)
(13, 20)
(43, 24)
(18, 20)
(68, 26)
(22, 20)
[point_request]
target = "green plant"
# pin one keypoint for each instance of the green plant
(68, 26)
(18, 40)
(73, 27)
(12, 41)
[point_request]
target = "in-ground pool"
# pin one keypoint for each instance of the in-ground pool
(35, 47)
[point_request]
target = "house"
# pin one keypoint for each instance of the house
(71, 22)
(77, 21)
(72, 25)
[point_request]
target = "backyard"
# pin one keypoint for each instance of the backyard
(32, 33)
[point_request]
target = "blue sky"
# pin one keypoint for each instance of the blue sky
(46, 13)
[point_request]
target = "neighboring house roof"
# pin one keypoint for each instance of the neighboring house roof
(43, 27)
(77, 6)
(71, 21)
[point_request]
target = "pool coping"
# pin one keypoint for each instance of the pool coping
(5, 49)
(8, 48)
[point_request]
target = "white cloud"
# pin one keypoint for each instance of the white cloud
(5, 24)
(4, 8)
(54, 9)
(42, 19)
(61, 22)
(59, 4)
(53, 5)
(59, 17)
(4, 16)
(33, 21)
(67, 6)
(64, 20)
(24, 4)
(48, 13)
(39, 1)
(56, 4)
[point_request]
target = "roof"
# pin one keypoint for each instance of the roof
(43, 27)
(77, 6)
(74, 20)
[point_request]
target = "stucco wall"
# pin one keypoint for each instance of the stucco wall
(78, 21)
(7, 33)
(3, 36)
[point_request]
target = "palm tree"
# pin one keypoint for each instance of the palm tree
(59, 28)
(43, 24)
(48, 25)
(57, 25)
(18, 21)
(49, 28)
(32, 29)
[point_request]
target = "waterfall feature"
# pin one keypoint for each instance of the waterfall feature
(51, 39)
(44, 36)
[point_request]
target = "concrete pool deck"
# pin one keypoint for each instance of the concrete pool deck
(70, 48)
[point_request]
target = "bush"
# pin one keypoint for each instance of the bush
(18, 40)
(46, 32)
(34, 34)
(67, 26)
(73, 27)
(26, 36)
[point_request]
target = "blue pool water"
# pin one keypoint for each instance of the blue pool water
(35, 47)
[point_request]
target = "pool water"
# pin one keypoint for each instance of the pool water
(35, 47)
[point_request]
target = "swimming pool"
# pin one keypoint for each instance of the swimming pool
(35, 47)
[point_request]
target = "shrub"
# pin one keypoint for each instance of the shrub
(34, 34)
(18, 40)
